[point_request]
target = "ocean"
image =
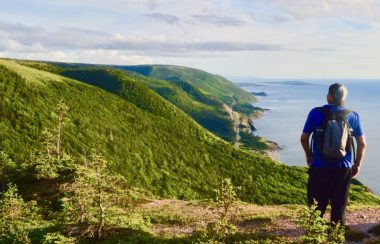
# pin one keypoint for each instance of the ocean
(289, 104)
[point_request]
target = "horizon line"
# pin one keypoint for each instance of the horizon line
(227, 76)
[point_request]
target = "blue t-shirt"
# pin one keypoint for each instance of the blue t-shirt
(314, 120)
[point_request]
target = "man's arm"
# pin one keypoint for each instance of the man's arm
(360, 152)
(306, 147)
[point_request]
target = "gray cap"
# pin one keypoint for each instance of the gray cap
(338, 92)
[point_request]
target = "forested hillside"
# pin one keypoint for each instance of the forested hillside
(214, 85)
(206, 111)
(206, 108)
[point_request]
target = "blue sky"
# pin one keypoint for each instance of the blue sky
(264, 38)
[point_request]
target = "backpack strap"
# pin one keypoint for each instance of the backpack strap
(344, 113)
(351, 137)
(326, 112)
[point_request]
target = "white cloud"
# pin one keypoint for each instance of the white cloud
(307, 9)
(110, 57)
(16, 46)
(215, 19)
(258, 36)
(23, 38)
(166, 18)
(86, 56)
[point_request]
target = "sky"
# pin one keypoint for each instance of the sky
(294, 39)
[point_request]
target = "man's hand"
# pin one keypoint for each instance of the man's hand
(305, 145)
(361, 142)
(355, 170)
(308, 160)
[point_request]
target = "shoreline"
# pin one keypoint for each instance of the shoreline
(274, 151)
(274, 148)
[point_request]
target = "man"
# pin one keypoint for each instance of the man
(329, 178)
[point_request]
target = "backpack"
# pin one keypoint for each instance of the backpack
(333, 137)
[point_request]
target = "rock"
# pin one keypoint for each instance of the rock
(260, 94)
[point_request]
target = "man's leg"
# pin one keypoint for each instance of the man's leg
(310, 188)
(319, 188)
(340, 194)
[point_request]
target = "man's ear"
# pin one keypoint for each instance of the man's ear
(329, 98)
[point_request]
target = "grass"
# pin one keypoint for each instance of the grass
(255, 223)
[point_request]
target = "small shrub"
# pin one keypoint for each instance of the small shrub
(16, 217)
(7, 167)
(336, 233)
(226, 199)
(317, 229)
(137, 222)
(163, 217)
(57, 238)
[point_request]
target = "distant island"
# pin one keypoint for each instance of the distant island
(240, 84)
(259, 94)
(292, 83)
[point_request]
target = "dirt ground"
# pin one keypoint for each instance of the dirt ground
(181, 218)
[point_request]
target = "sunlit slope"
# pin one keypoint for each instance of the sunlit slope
(213, 85)
(206, 111)
(204, 107)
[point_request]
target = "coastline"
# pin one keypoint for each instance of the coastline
(247, 122)
(273, 150)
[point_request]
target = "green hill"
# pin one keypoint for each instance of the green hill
(213, 85)
(206, 109)
(153, 144)
(207, 112)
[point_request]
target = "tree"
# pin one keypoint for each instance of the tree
(60, 114)
(15, 216)
(53, 160)
(226, 201)
(7, 168)
(95, 196)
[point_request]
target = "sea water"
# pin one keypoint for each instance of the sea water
(289, 104)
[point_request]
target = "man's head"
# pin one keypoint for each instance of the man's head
(337, 94)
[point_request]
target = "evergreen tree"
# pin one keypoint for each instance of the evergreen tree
(53, 160)
(16, 217)
(96, 198)
(7, 169)
(226, 202)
